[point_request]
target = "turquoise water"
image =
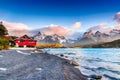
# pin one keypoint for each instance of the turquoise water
(102, 61)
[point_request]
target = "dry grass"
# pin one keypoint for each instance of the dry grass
(76, 47)
(46, 45)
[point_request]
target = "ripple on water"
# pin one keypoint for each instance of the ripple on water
(103, 61)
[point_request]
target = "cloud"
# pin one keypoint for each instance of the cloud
(117, 17)
(74, 35)
(17, 29)
(98, 27)
(77, 25)
(106, 29)
(102, 28)
(55, 29)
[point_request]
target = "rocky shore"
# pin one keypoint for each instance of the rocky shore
(27, 65)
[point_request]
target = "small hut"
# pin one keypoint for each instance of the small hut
(25, 41)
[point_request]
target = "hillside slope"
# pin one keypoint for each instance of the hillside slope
(113, 44)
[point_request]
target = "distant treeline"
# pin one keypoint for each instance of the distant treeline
(113, 44)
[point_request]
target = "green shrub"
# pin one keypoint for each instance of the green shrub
(4, 44)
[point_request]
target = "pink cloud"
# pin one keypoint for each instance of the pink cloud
(98, 27)
(17, 29)
(106, 29)
(102, 28)
(55, 29)
(77, 25)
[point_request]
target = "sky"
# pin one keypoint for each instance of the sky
(78, 15)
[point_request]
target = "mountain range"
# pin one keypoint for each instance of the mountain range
(90, 38)
(43, 38)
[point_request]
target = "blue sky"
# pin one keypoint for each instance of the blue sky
(39, 13)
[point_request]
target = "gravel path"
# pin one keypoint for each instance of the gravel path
(26, 65)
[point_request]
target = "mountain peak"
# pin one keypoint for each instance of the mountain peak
(39, 33)
(88, 34)
(98, 33)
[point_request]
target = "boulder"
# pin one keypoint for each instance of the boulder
(74, 63)
(61, 55)
(96, 77)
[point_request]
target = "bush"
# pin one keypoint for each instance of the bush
(4, 44)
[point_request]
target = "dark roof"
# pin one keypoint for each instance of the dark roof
(25, 37)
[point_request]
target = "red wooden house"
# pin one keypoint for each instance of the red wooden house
(25, 41)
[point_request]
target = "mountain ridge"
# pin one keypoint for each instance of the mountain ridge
(41, 37)
(90, 38)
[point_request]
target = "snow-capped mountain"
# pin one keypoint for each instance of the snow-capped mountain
(96, 38)
(43, 38)
(39, 36)
(88, 34)
(88, 38)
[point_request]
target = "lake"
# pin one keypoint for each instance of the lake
(98, 61)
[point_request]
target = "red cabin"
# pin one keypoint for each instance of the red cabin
(25, 41)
